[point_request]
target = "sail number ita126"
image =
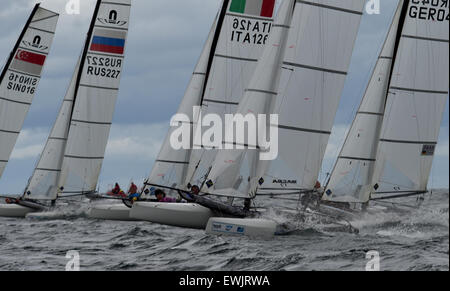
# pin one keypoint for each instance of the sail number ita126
(108, 67)
(250, 31)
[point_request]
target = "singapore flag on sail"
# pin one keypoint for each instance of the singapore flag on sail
(28, 62)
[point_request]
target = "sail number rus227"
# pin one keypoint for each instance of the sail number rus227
(107, 67)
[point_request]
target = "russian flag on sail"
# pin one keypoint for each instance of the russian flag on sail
(108, 41)
(262, 8)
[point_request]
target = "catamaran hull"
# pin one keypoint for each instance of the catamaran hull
(188, 215)
(14, 210)
(241, 227)
(118, 212)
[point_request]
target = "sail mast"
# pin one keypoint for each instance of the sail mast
(401, 25)
(24, 68)
(85, 51)
(215, 41)
(19, 40)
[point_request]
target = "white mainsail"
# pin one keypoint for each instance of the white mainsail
(21, 75)
(258, 99)
(416, 100)
(44, 181)
(351, 179)
(239, 39)
(317, 58)
(319, 51)
(171, 165)
(95, 97)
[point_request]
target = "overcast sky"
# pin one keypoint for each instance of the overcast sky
(164, 43)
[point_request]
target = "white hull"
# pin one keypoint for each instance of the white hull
(110, 212)
(48, 215)
(187, 215)
(14, 210)
(241, 227)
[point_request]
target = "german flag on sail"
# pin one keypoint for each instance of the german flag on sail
(262, 8)
(108, 41)
(28, 62)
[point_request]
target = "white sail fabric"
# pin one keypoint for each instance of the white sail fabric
(351, 179)
(258, 99)
(95, 98)
(171, 165)
(21, 77)
(43, 184)
(241, 42)
(416, 101)
(318, 54)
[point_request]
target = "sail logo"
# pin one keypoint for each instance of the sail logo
(428, 150)
(112, 20)
(284, 182)
(36, 44)
(235, 132)
(263, 8)
(108, 41)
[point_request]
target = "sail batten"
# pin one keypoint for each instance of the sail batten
(20, 77)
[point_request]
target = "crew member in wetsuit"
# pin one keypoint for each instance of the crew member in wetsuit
(161, 197)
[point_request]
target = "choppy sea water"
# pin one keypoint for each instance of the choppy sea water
(415, 240)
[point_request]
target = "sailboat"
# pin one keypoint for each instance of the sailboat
(299, 75)
(312, 75)
(71, 160)
(389, 150)
(19, 81)
(227, 62)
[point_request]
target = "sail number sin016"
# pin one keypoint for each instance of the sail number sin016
(21, 83)
(435, 10)
(248, 31)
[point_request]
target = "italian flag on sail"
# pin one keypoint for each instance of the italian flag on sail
(262, 8)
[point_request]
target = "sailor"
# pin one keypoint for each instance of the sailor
(161, 197)
(116, 189)
(132, 192)
(133, 188)
(190, 196)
